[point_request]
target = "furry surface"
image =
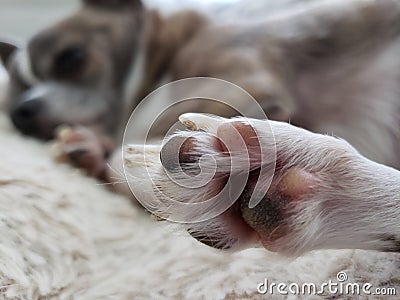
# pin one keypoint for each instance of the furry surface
(65, 236)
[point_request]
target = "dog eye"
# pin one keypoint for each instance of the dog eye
(69, 62)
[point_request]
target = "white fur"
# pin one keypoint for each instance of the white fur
(24, 67)
(3, 83)
(136, 74)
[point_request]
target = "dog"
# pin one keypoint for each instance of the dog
(328, 67)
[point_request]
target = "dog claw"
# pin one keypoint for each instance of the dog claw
(63, 132)
(196, 122)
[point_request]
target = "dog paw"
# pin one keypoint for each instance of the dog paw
(82, 148)
(249, 182)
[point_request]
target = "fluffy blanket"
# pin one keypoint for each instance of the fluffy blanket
(65, 236)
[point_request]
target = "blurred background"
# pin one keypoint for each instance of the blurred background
(19, 19)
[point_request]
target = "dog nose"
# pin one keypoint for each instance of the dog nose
(25, 115)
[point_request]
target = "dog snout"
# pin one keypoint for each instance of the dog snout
(26, 117)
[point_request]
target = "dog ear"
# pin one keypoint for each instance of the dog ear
(114, 4)
(7, 48)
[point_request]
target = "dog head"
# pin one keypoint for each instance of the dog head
(75, 71)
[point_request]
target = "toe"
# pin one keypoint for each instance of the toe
(195, 121)
(184, 152)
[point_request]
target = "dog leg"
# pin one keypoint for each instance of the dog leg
(329, 28)
(323, 193)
